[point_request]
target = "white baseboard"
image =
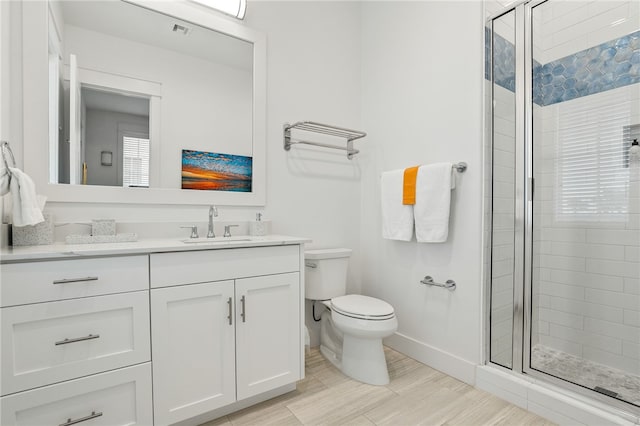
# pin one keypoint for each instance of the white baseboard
(448, 363)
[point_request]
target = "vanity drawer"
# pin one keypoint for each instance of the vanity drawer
(45, 343)
(34, 282)
(120, 397)
(168, 269)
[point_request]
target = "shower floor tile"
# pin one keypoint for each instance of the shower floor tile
(586, 373)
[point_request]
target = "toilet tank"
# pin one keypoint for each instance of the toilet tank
(326, 273)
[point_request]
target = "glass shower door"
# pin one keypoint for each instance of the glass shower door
(585, 213)
(501, 78)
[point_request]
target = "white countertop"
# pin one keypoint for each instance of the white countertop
(62, 250)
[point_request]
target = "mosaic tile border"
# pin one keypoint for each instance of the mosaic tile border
(504, 61)
(607, 66)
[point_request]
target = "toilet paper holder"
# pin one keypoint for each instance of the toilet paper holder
(449, 284)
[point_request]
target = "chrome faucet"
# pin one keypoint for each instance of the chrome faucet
(213, 211)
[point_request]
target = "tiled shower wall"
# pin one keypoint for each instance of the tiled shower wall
(587, 270)
(503, 226)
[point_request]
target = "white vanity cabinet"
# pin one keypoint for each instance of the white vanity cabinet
(226, 326)
(75, 337)
(152, 333)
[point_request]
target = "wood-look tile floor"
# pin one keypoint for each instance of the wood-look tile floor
(417, 395)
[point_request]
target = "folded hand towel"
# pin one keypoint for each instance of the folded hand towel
(397, 218)
(24, 199)
(433, 198)
(409, 185)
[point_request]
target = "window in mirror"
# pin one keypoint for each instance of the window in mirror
(135, 153)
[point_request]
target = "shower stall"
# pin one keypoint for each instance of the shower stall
(563, 195)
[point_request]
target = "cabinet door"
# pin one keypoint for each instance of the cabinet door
(192, 334)
(268, 325)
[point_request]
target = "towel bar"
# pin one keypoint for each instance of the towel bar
(325, 129)
(460, 167)
(449, 284)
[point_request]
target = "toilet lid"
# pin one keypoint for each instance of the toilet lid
(355, 305)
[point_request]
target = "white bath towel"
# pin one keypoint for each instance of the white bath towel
(25, 209)
(397, 218)
(433, 199)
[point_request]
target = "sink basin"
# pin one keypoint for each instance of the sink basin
(215, 240)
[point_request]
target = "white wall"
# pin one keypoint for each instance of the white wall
(422, 76)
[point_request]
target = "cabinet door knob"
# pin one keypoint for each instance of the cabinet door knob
(243, 313)
(230, 317)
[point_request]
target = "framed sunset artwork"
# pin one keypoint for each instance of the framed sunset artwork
(213, 171)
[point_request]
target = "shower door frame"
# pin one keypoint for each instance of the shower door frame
(523, 229)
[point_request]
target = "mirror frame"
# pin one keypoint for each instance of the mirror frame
(36, 114)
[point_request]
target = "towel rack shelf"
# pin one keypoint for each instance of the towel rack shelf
(325, 129)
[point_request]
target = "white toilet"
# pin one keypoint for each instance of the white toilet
(352, 326)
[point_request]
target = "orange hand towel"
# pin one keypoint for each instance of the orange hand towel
(409, 185)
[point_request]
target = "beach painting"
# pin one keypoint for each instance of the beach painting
(212, 171)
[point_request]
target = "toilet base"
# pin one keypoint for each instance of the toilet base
(358, 352)
(364, 360)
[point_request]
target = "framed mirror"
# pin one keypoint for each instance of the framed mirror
(143, 102)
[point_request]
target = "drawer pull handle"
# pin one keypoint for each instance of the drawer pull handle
(77, 339)
(243, 314)
(229, 317)
(69, 422)
(75, 280)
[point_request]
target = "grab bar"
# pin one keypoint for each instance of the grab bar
(449, 284)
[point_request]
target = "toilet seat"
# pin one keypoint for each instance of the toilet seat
(362, 307)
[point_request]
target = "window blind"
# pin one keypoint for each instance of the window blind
(135, 161)
(592, 183)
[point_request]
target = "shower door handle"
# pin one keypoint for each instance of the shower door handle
(531, 184)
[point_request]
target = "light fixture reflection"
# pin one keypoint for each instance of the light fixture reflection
(235, 8)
